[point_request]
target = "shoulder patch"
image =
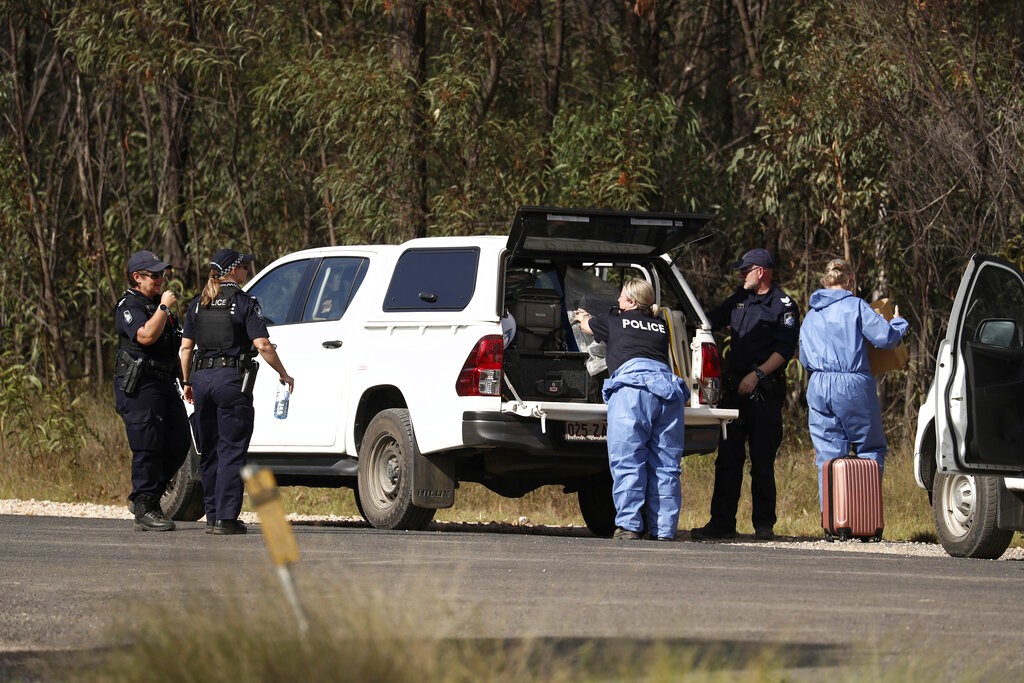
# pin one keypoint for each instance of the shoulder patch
(127, 316)
(257, 310)
(789, 320)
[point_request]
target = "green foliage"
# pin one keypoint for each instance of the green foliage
(606, 151)
(36, 419)
(893, 129)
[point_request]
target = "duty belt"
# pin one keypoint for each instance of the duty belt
(218, 362)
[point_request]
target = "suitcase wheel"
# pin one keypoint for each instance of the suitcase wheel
(829, 537)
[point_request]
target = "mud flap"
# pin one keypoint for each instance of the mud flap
(433, 480)
(1010, 513)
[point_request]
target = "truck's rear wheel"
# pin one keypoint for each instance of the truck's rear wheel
(183, 499)
(965, 508)
(385, 473)
(596, 504)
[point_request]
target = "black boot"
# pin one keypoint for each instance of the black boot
(149, 516)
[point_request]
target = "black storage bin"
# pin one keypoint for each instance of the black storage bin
(552, 376)
(538, 316)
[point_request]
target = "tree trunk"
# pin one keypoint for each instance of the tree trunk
(407, 23)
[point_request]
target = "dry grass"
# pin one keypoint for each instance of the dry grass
(356, 634)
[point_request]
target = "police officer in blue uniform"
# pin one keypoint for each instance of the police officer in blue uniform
(646, 410)
(145, 387)
(222, 327)
(765, 325)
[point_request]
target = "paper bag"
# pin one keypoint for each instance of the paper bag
(884, 360)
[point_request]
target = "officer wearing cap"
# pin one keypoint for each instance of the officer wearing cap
(222, 326)
(145, 392)
(765, 326)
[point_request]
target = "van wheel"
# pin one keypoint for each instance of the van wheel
(183, 499)
(965, 508)
(385, 473)
(596, 505)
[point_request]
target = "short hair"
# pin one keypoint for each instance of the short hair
(837, 272)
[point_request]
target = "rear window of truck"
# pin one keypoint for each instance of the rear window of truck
(433, 280)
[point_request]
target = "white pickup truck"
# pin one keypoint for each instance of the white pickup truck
(410, 378)
(969, 449)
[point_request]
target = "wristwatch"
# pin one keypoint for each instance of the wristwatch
(163, 307)
(759, 372)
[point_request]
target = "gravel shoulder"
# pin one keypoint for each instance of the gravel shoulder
(46, 508)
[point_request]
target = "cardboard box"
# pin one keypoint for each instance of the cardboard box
(884, 360)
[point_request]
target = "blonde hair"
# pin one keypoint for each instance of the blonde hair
(642, 293)
(837, 272)
(212, 288)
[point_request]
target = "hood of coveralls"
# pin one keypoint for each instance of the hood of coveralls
(823, 298)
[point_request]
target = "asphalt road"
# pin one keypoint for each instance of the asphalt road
(66, 582)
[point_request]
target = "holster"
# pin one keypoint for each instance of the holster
(129, 370)
(247, 368)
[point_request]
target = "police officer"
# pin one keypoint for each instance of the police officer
(765, 325)
(145, 389)
(646, 407)
(222, 326)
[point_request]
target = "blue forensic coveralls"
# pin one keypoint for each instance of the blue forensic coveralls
(646, 411)
(224, 416)
(842, 397)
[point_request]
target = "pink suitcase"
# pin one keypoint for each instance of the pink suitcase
(852, 500)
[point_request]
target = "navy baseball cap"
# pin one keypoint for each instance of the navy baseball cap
(226, 259)
(145, 260)
(755, 257)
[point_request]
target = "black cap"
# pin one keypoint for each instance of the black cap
(226, 259)
(755, 257)
(145, 260)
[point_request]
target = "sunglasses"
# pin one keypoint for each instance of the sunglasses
(747, 270)
(153, 276)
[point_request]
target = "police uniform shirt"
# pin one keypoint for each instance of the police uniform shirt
(247, 323)
(132, 312)
(761, 324)
(631, 334)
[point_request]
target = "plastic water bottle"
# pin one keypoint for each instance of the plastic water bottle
(281, 401)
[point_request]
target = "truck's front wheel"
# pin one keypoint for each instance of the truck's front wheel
(965, 516)
(385, 473)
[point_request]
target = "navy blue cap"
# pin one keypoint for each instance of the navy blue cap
(226, 259)
(755, 257)
(145, 260)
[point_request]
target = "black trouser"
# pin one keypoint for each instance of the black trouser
(760, 424)
(224, 417)
(158, 433)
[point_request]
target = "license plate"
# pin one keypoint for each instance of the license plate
(586, 431)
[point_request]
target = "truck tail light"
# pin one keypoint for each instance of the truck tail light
(481, 374)
(710, 374)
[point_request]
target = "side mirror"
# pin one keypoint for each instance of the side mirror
(1001, 332)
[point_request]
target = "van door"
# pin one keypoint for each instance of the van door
(980, 373)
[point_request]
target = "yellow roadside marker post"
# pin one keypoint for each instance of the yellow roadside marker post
(277, 532)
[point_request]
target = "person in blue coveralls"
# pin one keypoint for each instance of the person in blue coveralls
(646, 409)
(222, 325)
(764, 323)
(842, 398)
